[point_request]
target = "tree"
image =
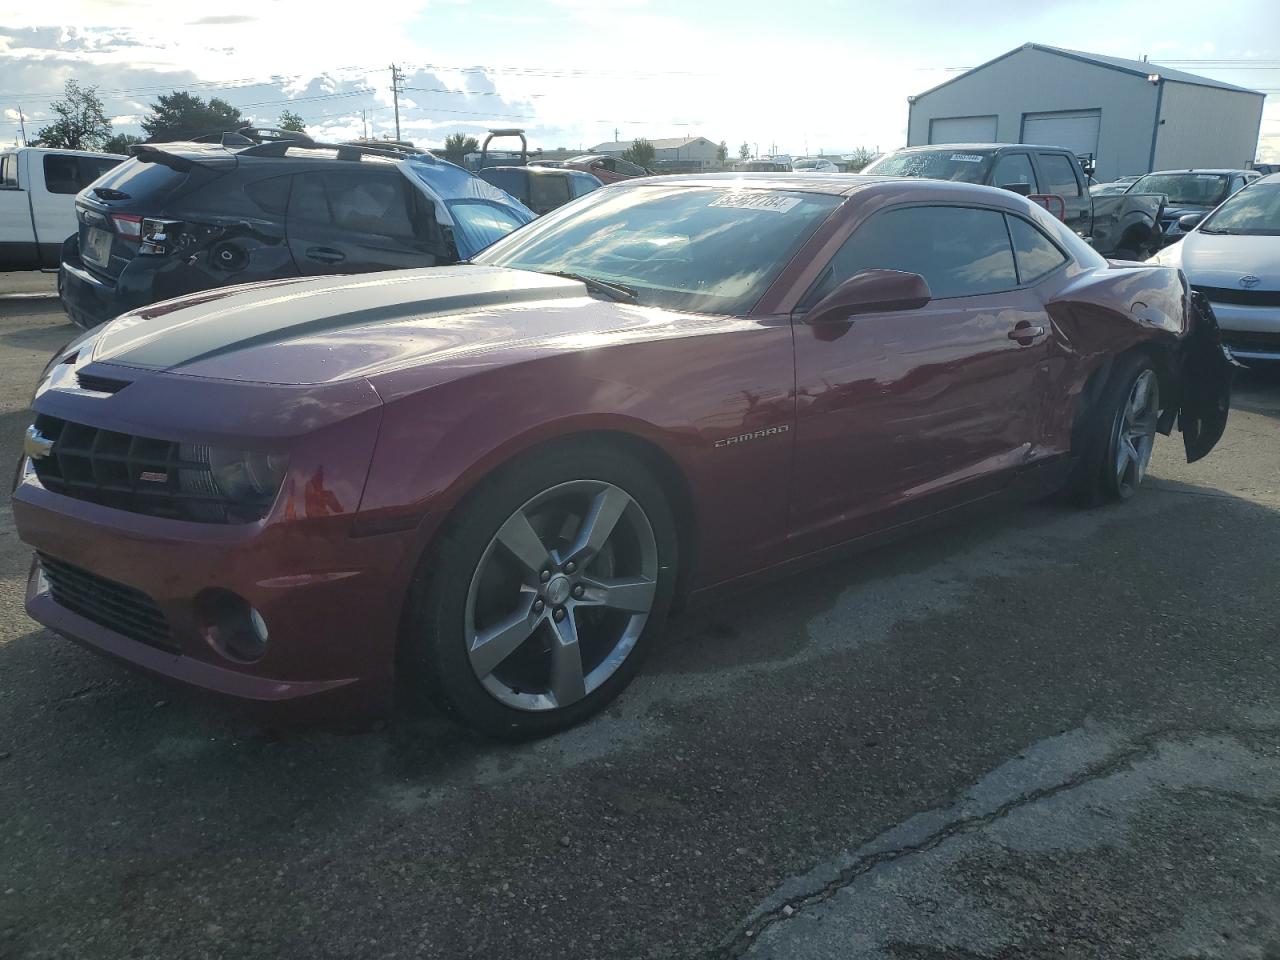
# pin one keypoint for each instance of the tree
(744, 151)
(181, 116)
(81, 123)
(458, 145)
(722, 152)
(860, 158)
(120, 143)
(291, 121)
(640, 152)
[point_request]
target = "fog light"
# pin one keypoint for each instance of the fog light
(231, 626)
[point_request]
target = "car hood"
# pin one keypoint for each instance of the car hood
(1220, 260)
(1173, 211)
(323, 330)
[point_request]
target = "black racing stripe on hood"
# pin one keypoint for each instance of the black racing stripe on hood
(207, 337)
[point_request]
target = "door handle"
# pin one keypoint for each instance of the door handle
(325, 254)
(1025, 332)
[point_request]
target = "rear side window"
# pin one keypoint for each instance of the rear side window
(1035, 253)
(1013, 168)
(1059, 174)
(370, 202)
(270, 196)
(960, 251)
(9, 171)
(62, 174)
(512, 181)
(581, 186)
(548, 191)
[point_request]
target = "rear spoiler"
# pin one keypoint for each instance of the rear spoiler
(185, 156)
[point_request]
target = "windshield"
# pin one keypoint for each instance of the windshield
(934, 164)
(702, 249)
(1195, 189)
(478, 223)
(1255, 211)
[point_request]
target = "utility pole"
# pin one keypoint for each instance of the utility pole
(22, 125)
(395, 94)
(615, 134)
(364, 119)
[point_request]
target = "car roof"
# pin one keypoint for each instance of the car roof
(1269, 178)
(832, 184)
(980, 146)
(61, 152)
(1221, 171)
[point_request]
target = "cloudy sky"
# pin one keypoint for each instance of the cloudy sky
(818, 74)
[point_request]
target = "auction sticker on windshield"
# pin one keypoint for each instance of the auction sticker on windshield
(772, 202)
(967, 157)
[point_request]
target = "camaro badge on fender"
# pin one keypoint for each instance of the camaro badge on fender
(35, 444)
(743, 438)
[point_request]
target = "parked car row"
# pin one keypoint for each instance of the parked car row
(483, 485)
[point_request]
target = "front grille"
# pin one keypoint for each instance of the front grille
(1243, 298)
(127, 611)
(160, 478)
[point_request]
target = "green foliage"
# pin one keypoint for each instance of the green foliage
(744, 151)
(81, 123)
(291, 121)
(860, 158)
(640, 152)
(181, 116)
(120, 143)
(722, 152)
(458, 145)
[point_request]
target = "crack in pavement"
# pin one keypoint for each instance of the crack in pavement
(1139, 748)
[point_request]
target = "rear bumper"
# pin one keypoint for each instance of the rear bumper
(88, 300)
(331, 602)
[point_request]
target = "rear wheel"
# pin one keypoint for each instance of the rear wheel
(538, 606)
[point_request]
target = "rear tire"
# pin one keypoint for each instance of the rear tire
(1117, 446)
(539, 603)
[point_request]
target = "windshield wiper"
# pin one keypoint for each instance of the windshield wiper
(614, 291)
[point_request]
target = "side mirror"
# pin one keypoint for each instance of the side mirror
(1022, 189)
(871, 291)
(1189, 221)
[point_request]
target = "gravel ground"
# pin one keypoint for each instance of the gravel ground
(1046, 733)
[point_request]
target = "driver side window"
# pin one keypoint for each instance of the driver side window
(960, 251)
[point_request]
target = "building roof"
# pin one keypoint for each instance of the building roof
(1140, 68)
(670, 143)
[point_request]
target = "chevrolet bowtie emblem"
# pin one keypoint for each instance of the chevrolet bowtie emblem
(35, 444)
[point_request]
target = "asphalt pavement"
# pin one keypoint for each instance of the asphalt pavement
(1043, 733)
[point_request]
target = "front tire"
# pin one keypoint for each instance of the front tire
(538, 605)
(1122, 436)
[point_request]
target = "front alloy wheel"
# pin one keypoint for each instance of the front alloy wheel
(1134, 435)
(560, 595)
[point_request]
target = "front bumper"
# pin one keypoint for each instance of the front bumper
(331, 602)
(1250, 333)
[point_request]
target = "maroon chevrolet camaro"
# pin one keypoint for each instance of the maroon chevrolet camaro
(486, 485)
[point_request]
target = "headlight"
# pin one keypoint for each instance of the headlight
(249, 478)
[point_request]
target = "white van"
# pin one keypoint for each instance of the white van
(38, 190)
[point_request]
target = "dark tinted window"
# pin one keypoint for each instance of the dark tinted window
(514, 182)
(62, 174)
(1059, 174)
(548, 191)
(583, 185)
(143, 181)
(1036, 254)
(9, 170)
(362, 201)
(271, 196)
(629, 168)
(1013, 168)
(960, 251)
(91, 168)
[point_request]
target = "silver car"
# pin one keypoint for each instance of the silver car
(1233, 257)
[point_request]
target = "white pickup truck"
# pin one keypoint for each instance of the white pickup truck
(38, 190)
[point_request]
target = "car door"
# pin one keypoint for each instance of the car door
(1013, 170)
(547, 191)
(1059, 175)
(904, 414)
(360, 219)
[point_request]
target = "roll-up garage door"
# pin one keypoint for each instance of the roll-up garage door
(962, 130)
(1077, 130)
